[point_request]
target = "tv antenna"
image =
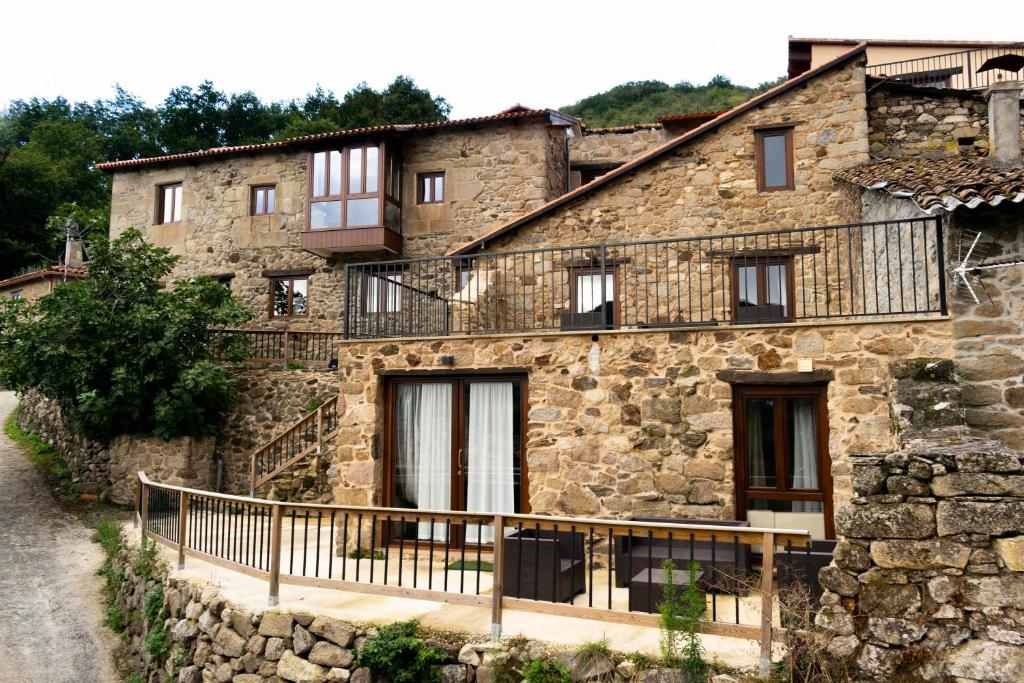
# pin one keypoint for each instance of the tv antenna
(973, 255)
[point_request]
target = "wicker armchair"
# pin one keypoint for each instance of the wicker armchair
(540, 565)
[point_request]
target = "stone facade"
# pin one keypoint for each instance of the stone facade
(615, 144)
(493, 174)
(928, 577)
(639, 423)
(905, 121)
(709, 186)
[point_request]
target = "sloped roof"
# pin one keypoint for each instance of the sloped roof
(513, 113)
(660, 151)
(940, 184)
(42, 274)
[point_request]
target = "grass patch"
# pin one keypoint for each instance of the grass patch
(471, 566)
(43, 455)
(364, 554)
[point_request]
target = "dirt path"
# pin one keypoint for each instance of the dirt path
(51, 619)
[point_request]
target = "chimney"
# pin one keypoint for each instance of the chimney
(1003, 99)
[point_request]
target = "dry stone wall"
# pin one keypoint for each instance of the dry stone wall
(639, 423)
(928, 577)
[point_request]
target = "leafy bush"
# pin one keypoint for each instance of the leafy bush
(399, 656)
(680, 613)
(153, 604)
(121, 353)
(157, 643)
(641, 661)
(115, 618)
(546, 671)
(146, 562)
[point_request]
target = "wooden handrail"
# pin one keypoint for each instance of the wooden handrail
(232, 510)
(260, 474)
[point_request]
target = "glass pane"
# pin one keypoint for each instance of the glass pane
(371, 169)
(270, 199)
(177, 203)
(439, 188)
(168, 205)
(761, 442)
(362, 212)
(423, 454)
(746, 283)
(389, 175)
(280, 297)
(324, 215)
(335, 174)
(427, 189)
(491, 466)
(777, 294)
(774, 155)
(355, 170)
(319, 173)
(259, 208)
(802, 455)
(300, 290)
(588, 292)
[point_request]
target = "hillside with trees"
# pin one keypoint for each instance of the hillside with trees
(646, 101)
(49, 148)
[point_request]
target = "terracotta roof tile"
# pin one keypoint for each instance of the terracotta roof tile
(941, 184)
(42, 274)
(513, 113)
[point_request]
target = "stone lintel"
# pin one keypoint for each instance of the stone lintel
(755, 377)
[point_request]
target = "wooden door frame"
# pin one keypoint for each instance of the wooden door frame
(457, 380)
(817, 391)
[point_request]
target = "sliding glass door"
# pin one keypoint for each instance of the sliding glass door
(455, 444)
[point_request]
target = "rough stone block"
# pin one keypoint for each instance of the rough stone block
(985, 660)
(298, 670)
(972, 517)
(886, 520)
(1011, 552)
(911, 554)
(228, 643)
(276, 624)
(890, 600)
(330, 654)
(896, 631)
(334, 630)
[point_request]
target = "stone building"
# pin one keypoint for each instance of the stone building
(695, 318)
(38, 283)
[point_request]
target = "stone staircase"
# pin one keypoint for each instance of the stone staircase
(293, 465)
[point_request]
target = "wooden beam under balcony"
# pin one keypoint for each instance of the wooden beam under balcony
(343, 240)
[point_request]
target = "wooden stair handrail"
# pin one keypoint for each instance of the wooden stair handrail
(301, 426)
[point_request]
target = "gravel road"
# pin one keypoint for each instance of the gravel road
(51, 619)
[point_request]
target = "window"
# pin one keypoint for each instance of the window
(225, 279)
(289, 296)
(346, 188)
(383, 293)
(774, 156)
(782, 465)
(169, 210)
(430, 187)
(16, 295)
(592, 306)
(263, 200)
(762, 288)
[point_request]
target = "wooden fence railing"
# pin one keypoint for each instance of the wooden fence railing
(286, 346)
(575, 567)
(305, 436)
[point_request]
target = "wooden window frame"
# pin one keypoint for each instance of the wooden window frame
(612, 269)
(254, 191)
(759, 136)
(161, 194)
(458, 380)
(345, 195)
(291, 290)
(420, 196)
(761, 263)
(823, 494)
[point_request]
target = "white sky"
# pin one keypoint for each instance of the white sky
(482, 56)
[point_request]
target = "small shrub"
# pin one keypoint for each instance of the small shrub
(313, 404)
(364, 554)
(546, 671)
(153, 604)
(135, 678)
(680, 614)
(157, 643)
(641, 661)
(398, 655)
(115, 618)
(147, 561)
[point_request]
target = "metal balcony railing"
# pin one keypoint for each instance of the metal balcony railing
(964, 70)
(842, 271)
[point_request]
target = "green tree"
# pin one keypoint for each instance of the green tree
(119, 352)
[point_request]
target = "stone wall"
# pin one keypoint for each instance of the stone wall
(615, 144)
(928, 577)
(267, 402)
(710, 185)
(493, 174)
(639, 423)
(905, 121)
(113, 467)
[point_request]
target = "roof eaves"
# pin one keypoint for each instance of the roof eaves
(661, 150)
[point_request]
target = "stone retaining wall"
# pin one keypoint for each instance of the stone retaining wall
(928, 577)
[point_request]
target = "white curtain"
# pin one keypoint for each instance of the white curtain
(489, 454)
(757, 476)
(804, 473)
(425, 449)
